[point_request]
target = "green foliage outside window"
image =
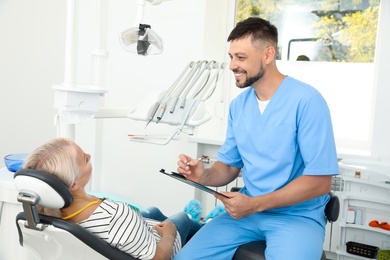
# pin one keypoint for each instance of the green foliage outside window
(346, 28)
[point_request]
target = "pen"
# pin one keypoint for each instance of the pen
(188, 164)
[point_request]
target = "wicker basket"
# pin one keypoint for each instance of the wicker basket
(383, 254)
(362, 249)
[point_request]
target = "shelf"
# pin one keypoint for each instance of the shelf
(364, 198)
(378, 182)
(343, 224)
(373, 191)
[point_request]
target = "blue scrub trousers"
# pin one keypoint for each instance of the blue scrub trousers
(294, 237)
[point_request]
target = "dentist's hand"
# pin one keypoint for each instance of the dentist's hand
(192, 169)
(238, 205)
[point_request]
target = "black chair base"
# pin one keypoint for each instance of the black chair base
(251, 251)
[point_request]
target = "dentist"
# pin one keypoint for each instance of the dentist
(280, 136)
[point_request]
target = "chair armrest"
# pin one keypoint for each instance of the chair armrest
(332, 208)
(235, 189)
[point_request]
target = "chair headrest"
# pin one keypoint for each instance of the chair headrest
(52, 192)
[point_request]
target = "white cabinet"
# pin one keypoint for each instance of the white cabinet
(365, 197)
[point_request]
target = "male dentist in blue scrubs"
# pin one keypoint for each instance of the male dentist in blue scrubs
(280, 136)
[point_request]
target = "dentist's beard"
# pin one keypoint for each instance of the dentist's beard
(249, 81)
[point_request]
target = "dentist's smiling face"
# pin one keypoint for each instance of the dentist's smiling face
(246, 62)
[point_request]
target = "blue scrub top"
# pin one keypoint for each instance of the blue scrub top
(293, 137)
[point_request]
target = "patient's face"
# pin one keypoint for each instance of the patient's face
(85, 167)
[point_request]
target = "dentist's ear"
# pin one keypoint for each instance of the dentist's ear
(269, 54)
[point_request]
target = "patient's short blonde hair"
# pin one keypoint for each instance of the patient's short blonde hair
(58, 157)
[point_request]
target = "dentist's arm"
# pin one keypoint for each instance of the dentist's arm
(299, 190)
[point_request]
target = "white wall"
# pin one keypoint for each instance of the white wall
(381, 120)
(31, 60)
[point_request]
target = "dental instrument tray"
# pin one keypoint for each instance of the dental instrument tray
(180, 177)
(182, 105)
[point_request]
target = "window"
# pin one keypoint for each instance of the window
(329, 44)
(330, 30)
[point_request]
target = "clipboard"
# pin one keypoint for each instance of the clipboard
(181, 178)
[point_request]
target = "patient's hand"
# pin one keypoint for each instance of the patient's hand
(166, 228)
(167, 231)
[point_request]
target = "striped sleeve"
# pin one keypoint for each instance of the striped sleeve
(124, 228)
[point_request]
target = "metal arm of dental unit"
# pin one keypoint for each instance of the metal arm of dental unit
(182, 105)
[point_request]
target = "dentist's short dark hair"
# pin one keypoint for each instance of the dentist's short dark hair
(256, 27)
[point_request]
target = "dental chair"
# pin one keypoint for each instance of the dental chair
(49, 237)
(255, 250)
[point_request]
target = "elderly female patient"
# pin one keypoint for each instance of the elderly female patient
(117, 223)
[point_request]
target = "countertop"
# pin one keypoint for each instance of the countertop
(8, 192)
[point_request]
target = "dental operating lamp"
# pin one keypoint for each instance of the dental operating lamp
(141, 39)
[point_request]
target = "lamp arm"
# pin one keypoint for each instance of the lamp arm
(156, 2)
(140, 12)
